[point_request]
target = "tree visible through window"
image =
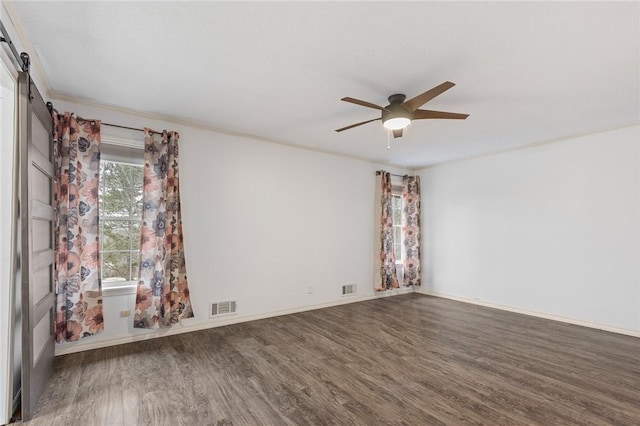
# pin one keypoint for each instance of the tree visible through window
(396, 206)
(120, 218)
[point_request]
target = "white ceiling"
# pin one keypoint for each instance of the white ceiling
(525, 72)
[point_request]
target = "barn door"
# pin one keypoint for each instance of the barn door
(35, 128)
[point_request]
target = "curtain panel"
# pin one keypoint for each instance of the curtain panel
(163, 294)
(411, 229)
(76, 151)
(385, 276)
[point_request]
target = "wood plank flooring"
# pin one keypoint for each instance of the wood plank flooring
(404, 360)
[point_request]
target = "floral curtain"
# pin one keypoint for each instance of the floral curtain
(76, 151)
(386, 276)
(411, 229)
(163, 294)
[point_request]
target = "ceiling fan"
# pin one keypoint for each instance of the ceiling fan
(399, 113)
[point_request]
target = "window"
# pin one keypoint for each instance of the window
(396, 206)
(120, 218)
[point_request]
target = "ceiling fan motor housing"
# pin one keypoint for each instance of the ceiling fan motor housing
(398, 98)
(395, 108)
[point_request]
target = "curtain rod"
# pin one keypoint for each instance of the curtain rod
(129, 128)
(50, 106)
(379, 172)
(52, 109)
(122, 127)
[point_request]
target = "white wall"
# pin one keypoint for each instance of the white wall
(262, 222)
(553, 229)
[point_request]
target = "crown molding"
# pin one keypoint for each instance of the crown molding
(174, 119)
(531, 145)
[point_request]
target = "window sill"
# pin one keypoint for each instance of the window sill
(122, 289)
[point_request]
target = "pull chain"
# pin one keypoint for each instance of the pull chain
(389, 140)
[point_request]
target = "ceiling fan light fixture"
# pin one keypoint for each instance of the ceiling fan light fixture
(400, 113)
(396, 123)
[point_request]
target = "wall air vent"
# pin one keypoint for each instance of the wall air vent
(348, 289)
(226, 307)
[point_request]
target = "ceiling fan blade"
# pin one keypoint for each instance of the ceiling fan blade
(415, 103)
(358, 124)
(425, 113)
(363, 103)
(397, 133)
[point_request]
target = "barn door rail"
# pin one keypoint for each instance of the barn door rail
(21, 60)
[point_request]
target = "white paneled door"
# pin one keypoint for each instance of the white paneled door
(9, 385)
(35, 129)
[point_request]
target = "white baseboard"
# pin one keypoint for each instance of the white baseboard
(533, 313)
(82, 345)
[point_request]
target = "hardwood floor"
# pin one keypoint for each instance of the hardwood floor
(411, 360)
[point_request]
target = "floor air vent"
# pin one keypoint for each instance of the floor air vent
(348, 289)
(223, 308)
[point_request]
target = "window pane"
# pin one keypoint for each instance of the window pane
(397, 249)
(120, 197)
(121, 190)
(137, 202)
(135, 262)
(117, 202)
(397, 234)
(135, 235)
(116, 175)
(115, 266)
(137, 174)
(115, 235)
(397, 210)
